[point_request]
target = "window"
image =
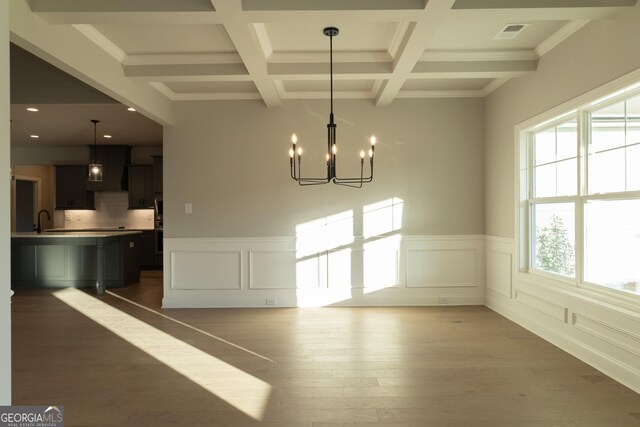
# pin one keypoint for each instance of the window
(581, 195)
(554, 243)
(614, 148)
(556, 160)
(612, 243)
(554, 185)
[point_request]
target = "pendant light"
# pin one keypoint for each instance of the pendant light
(295, 153)
(95, 168)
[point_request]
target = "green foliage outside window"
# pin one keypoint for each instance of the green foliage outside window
(554, 252)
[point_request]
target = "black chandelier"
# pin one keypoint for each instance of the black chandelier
(295, 153)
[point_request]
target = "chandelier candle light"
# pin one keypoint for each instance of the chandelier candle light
(295, 153)
(95, 168)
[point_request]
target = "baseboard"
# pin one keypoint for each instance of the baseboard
(607, 364)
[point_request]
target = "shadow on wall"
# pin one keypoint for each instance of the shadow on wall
(333, 265)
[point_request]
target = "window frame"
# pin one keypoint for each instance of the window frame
(531, 201)
(581, 110)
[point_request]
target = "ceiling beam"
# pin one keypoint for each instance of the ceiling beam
(245, 38)
(408, 55)
(411, 47)
(340, 70)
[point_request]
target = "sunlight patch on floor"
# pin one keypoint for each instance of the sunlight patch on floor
(236, 387)
(193, 328)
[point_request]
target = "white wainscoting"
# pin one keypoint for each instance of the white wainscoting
(208, 269)
(499, 265)
(597, 328)
(387, 270)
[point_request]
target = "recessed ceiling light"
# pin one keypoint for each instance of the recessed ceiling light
(131, 109)
(107, 136)
(32, 109)
(34, 136)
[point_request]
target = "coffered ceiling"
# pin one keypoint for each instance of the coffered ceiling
(274, 50)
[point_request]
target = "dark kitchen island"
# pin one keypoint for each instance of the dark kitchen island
(83, 259)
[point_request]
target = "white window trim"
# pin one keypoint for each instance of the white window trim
(609, 93)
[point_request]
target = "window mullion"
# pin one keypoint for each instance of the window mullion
(626, 174)
(584, 136)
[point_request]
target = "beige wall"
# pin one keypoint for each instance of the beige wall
(600, 52)
(230, 160)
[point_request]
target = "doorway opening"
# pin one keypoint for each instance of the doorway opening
(27, 203)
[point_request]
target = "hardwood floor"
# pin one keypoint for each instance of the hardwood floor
(121, 360)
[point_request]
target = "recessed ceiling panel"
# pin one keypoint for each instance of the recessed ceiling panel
(212, 87)
(479, 35)
(323, 85)
(354, 36)
(163, 39)
(122, 6)
(445, 84)
(518, 4)
(332, 4)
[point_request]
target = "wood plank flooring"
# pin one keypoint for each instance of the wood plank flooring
(122, 360)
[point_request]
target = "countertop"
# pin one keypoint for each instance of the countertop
(74, 234)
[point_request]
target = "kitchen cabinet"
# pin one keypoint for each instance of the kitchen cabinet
(71, 188)
(140, 187)
(147, 251)
(157, 174)
(114, 160)
(53, 260)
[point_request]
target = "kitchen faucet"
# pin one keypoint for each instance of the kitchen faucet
(39, 228)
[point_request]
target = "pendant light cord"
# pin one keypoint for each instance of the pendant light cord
(95, 139)
(331, 70)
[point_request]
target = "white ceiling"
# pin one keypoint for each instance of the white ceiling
(274, 50)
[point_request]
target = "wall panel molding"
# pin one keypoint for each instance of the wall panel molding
(621, 338)
(254, 272)
(272, 270)
(593, 327)
(543, 306)
(441, 268)
(215, 270)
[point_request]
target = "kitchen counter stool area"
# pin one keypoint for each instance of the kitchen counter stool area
(98, 260)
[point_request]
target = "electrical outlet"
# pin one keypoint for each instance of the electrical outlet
(443, 300)
(271, 301)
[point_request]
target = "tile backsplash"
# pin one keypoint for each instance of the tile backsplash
(111, 211)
